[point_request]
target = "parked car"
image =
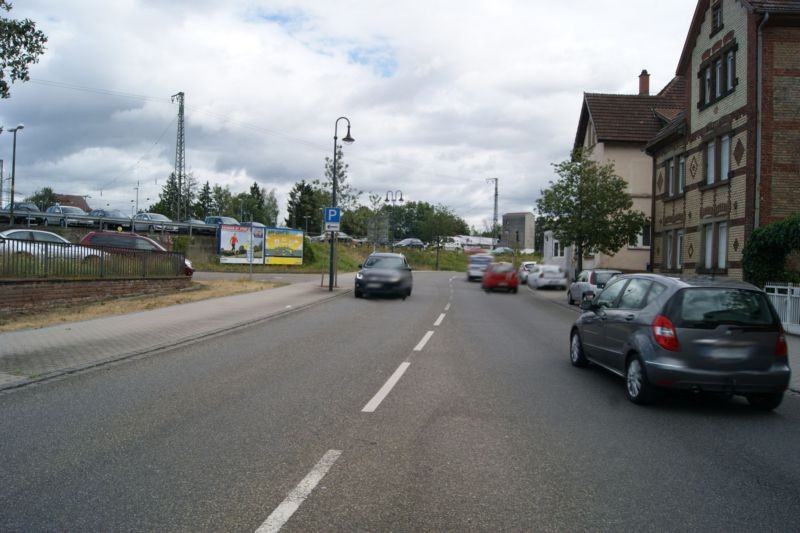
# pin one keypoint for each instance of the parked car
(699, 334)
(131, 241)
(24, 212)
(500, 275)
(216, 220)
(547, 276)
(477, 265)
(502, 250)
(589, 282)
(198, 226)
(152, 222)
(110, 219)
(66, 215)
(525, 268)
(384, 273)
(410, 243)
(39, 243)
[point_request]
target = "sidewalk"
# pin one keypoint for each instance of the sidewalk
(34, 355)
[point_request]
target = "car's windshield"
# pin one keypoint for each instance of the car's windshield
(384, 262)
(73, 210)
(480, 259)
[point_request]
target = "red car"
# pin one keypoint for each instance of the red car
(500, 276)
(133, 241)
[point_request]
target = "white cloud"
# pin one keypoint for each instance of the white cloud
(441, 95)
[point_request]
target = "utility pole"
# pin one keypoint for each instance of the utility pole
(1, 183)
(180, 155)
(494, 218)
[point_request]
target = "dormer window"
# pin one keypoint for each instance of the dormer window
(716, 18)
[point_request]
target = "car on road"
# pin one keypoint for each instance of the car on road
(525, 268)
(198, 227)
(110, 219)
(109, 240)
(411, 242)
(547, 276)
(385, 274)
(477, 265)
(44, 244)
(589, 282)
(24, 212)
(698, 334)
(500, 275)
(66, 215)
(502, 250)
(152, 222)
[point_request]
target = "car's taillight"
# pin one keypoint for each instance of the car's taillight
(781, 348)
(665, 334)
(592, 278)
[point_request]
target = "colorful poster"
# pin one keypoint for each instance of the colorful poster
(283, 246)
(240, 244)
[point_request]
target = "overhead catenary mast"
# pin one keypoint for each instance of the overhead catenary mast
(180, 158)
(494, 218)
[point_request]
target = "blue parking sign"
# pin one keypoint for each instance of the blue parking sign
(333, 214)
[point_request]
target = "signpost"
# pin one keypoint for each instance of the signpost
(332, 217)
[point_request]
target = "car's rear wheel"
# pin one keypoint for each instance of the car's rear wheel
(765, 402)
(63, 223)
(637, 387)
(576, 355)
(570, 301)
(515, 289)
(151, 229)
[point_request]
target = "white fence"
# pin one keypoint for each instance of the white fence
(786, 299)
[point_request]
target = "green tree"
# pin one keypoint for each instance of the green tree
(44, 198)
(589, 207)
(204, 205)
(304, 202)
(167, 203)
(21, 44)
(439, 222)
(222, 201)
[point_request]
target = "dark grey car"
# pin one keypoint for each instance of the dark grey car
(697, 334)
(384, 273)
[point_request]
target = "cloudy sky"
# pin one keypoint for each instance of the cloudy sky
(441, 94)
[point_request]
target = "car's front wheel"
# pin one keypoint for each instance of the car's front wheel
(358, 293)
(576, 355)
(765, 402)
(637, 387)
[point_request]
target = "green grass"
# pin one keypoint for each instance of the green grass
(349, 257)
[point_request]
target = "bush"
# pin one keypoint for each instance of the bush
(309, 251)
(765, 254)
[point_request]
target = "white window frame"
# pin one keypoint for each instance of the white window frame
(708, 246)
(722, 245)
(681, 174)
(679, 248)
(724, 157)
(668, 246)
(671, 177)
(707, 88)
(730, 59)
(711, 162)
(718, 78)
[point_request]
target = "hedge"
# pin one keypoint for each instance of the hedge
(765, 253)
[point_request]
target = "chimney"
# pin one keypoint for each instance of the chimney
(644, 83)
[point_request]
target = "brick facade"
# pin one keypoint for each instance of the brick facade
(709, 222)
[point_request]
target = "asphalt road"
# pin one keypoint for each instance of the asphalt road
(350, 416)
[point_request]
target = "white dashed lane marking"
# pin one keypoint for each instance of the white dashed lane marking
(439, 320)
(423, 342)
(386, 389)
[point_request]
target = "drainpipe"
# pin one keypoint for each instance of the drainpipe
(759, 66)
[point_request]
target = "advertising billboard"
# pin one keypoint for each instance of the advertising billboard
(283, 246)
(241, 244)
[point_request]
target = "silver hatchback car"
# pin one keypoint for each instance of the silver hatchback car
(698, 334)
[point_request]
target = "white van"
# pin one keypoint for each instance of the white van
(477, 265)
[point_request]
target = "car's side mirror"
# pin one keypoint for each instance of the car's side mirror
(360, 265)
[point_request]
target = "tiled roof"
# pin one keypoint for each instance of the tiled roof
(630, 117)
(676, 126)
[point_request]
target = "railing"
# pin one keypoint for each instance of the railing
(21, 259)
(29, 219)
(786, 299)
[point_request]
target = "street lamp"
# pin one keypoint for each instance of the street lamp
(306, 217)
(393, 196)
(14, 170)
(348, 140)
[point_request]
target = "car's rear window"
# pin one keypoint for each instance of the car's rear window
(708, 307)
(601, 278)
(503, 268)
(480, 260)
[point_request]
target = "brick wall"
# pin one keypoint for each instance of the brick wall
(30, 296)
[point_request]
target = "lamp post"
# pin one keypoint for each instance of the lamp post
(14, 170)
(348, 140)
(393, 196)
(306, 217)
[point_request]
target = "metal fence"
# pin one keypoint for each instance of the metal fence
(786, 299)
(22, 259)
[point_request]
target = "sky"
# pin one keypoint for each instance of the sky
(441, 95)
